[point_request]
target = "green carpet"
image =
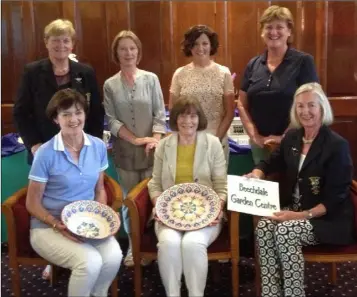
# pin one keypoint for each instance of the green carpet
(15, 170)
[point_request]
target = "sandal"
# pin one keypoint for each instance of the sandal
(129, 260)
(145, 262)
(46, 273)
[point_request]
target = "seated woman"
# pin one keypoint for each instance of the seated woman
(67, 168)
(317, 165)
(187, 155)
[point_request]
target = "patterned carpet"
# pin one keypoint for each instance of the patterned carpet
(316, 280)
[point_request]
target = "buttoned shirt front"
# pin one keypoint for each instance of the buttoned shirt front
(270, 94)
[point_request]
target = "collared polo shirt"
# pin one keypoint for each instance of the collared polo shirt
(270, 94)
(65, 180)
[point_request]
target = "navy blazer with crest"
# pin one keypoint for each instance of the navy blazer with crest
(325, 177)
(38, 85)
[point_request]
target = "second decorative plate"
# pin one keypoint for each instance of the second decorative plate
(188, 206)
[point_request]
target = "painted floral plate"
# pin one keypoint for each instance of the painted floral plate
(188, 206)
(90, 219)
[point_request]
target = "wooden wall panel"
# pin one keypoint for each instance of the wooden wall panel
(243, 18)
(326, 29)
(117, 19)
(341, 48)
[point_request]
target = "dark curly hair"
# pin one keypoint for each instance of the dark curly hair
(195, 32)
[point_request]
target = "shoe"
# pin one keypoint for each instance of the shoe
(129, 260)
(46, 273)
(145, 262)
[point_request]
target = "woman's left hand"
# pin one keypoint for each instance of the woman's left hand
(150, 146)
(286, 215)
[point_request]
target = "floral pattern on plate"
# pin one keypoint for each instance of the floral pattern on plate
(90, 219)
(188, 206)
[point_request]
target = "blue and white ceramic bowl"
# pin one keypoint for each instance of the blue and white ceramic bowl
(90, 219)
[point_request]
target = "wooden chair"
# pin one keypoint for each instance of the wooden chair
(144, 240)
(323, 253)
(18, 228)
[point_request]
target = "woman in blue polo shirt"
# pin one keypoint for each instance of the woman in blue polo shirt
(270, 81)
(67, 168)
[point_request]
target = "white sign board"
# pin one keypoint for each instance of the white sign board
(253, 196)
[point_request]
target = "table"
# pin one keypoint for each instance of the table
(15, 170)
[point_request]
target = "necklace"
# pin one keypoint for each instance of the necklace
(307, 141)
(72, 147)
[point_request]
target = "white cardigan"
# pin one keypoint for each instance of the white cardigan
(209, 167)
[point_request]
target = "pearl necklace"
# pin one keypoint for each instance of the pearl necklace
(307, 141)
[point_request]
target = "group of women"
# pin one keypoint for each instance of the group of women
(59, 115)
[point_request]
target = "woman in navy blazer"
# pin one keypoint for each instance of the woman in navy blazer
(316, 203)
(43, 78)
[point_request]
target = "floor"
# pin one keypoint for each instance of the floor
(316, 280)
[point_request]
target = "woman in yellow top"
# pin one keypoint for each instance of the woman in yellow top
(189, 154)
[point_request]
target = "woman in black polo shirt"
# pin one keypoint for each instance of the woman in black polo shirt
(270, 81)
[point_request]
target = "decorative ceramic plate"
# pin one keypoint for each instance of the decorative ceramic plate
(188, 206)
(90, 219)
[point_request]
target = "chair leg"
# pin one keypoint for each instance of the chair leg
(235, 278)
(333, 274)
(114, 287)
(15, 280)
(137, 278)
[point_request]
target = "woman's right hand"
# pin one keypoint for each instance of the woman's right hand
(62, 228)
(144, 140)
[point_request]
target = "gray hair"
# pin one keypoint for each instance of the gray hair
(327, 115)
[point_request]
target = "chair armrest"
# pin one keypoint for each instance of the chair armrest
(115, 191)
(7, 210)
(140, 208)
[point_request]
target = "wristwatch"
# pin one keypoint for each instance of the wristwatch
(309, 215)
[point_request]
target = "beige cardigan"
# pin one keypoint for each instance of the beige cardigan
(209, 166)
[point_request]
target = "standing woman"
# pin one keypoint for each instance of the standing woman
(207, 81)
(270, 81)
(43, 78)
(135, 109)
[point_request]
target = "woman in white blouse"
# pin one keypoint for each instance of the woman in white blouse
(134, 106)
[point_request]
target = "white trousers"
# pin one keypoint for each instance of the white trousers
(94, 263)
(184, 252)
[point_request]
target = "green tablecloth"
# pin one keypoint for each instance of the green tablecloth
(14, 174)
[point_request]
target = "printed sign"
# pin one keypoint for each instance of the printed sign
(253, 196)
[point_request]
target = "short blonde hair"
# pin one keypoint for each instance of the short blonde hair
(121, 35)
(60, 27)
(326, 110)
(279, 13)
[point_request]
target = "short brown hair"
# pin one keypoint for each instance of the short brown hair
(195, 32)
(184, 105)
(64, 99)
(121, 35)
(279, 13)
(60, 27)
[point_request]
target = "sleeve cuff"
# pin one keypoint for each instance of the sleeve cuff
(38, 179)
(114, 128)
